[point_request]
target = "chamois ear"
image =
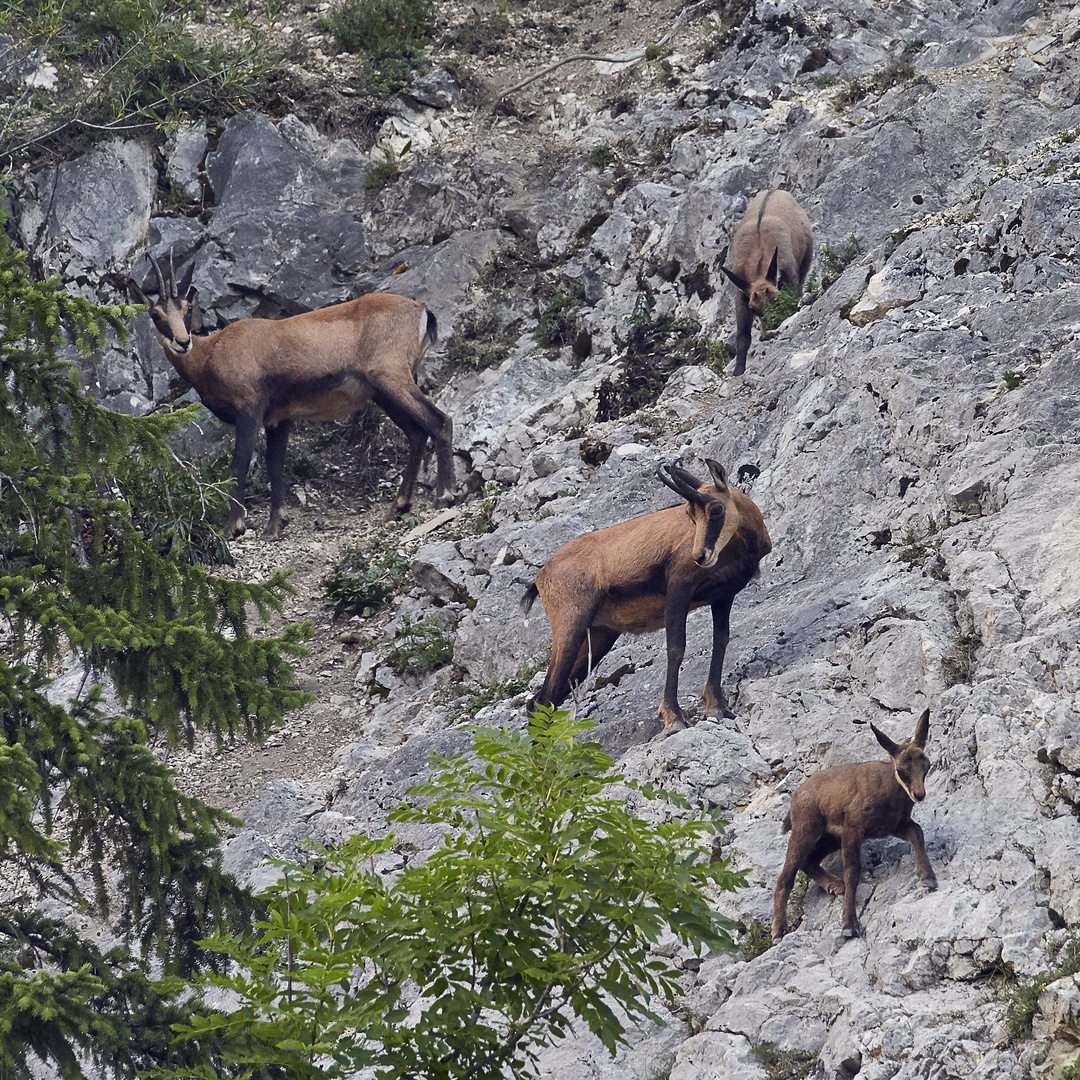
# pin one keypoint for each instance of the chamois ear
(771, 276)
(184, 288)
(137, 294)
(719, 475)
(890, 747)
(737, 280)
(922, 730)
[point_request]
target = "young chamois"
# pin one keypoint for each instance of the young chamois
(321, 365)
(648, 573)
(772, 250)
(839, 808)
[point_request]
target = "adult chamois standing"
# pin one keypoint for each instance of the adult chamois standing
(320, 365)
(772, 250)
(839, 808)
(648, 573)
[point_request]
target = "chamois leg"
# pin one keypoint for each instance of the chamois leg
(744, 321)
(715, 705)
(419, 419)
(814, 870)
(675, 612)
(246, 428)
(597, 644)
(277, 439)
(851, 846)
(913, 834)
(566, 643)
(800, 848)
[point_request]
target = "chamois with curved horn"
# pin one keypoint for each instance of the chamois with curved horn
(320, 365)
(772, 250)
(839, 808)
(647, 573)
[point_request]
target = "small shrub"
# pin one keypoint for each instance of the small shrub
(383, 173)
(916, 546)
(781, 307)
(419, 648)
(756, 941)
(558, 321)
(784, 1064)
(654, 348)
(958, 665)
(485, 522)
(363, 583)
(481, 34)
(380, 26)
(834, 259)
(601, 157)
(1025, 999)
(1011, 380)
(478, 343)
(489, 693)
(529, 919)
(915, 45)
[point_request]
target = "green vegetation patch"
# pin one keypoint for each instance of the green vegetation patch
(362, 583)
(1024, 1002)
(119, 61)
(419, 648)
(653, 349)
(784, 1064)
(529, 921)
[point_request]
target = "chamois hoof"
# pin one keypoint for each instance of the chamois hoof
(928, 884)
(675, 725)
(852, 931)
(237, 529)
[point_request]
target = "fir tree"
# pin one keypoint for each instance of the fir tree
(103, 539)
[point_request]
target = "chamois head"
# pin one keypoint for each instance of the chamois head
(910, 764)
(711, 508)
(172, 313)
(762, 291)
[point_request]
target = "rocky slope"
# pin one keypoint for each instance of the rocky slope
(911, 436)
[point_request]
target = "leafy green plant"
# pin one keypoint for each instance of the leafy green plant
(419, 648)
(1024, 1002)
(557, 324)
(1011, 380)
(834, 259)
(537, 913)
(917, 545)
(781, 307)
(361, 583)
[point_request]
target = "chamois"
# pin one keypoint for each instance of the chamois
(839, 808)
(772, 250)
(320, 365)
(647, 573)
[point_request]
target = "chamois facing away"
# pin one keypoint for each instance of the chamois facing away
(839, 808)
(320, 365)
(772, 250)
(648, 573)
